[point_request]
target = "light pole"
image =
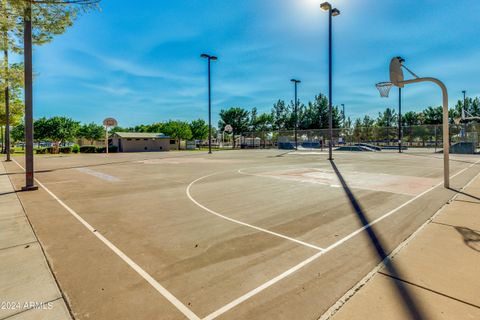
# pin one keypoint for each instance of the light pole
(296, 82)
(463, 115)
(7, 114)
(400, 129)
(332, 12)
(343, 129)
(27, 34)
(209, 58)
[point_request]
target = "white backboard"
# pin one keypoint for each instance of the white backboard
(396, 72)
(110, 122)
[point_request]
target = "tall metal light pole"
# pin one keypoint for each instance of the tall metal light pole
(332, 12)
(400, 122)
(463, 114)
(296, 82)
(29, 171)
(209, 58)
(7, 112)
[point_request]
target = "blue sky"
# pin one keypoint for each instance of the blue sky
(141, 63)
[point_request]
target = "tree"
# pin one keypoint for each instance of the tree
(433, 115)
(280, 114)
(357, 130)
(199, 129)
(15, 111)
(410, 118)
(367, 128)
(179, 130)
(237, 118)
(18, 133)
(40, 129)
(91, 132)
(315, 115)
(16, 106)
(120, 129)
(49, 18)
(264, 124)
(58, 129)
(386, 120)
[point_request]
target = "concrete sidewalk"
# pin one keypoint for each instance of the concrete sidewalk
(27, 287)
(435, 276)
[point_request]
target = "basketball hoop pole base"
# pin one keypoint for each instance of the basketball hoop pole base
(30, 188)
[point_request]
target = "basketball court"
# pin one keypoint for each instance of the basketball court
(232, 235)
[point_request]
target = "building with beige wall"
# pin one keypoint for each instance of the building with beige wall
(142, 142)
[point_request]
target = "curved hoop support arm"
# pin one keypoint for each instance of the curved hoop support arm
(446, 135)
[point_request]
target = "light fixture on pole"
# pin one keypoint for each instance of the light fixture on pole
(296, 82)
(209, 58)
(332, 12)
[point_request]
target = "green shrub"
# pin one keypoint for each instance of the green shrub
(76, 148)
(12, 151)
(111, 149)
(87, 149)
(66, 149)
(41, 151)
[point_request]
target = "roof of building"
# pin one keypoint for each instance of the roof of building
(141, 135)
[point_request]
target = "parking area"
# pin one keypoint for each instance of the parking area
(232, 235)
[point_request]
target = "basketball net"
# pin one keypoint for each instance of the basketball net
(384, 88)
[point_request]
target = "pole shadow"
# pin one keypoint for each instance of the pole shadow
(465, 194)
(6, 193)
(96, 165)
(410, 304)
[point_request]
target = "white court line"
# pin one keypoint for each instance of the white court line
(99, 175)
(302, 264)
(164, 292)
(243, 223)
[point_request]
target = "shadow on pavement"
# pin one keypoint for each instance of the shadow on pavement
(411, 306)
(5, 193)
(93, 165)
(465, 194)
(440, 158)
(470, 237)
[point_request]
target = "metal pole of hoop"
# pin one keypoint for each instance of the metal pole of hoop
(397, 79)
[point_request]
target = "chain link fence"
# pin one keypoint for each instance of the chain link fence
(429, 137)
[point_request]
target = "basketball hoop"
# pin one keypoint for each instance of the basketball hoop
(384, 88)
(228, 128)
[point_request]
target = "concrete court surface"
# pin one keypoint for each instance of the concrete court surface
(233, 235)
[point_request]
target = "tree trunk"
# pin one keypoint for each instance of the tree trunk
(3, 140)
